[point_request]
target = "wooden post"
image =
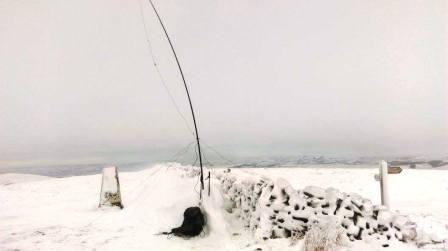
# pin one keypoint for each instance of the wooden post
(384, 184)
(209, 183)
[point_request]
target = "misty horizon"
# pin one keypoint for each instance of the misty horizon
(339, 79)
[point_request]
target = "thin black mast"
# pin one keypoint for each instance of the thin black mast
(188, 95)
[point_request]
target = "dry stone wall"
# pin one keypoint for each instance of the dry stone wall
(277, 210)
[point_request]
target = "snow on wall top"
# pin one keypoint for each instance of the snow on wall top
(275, 210)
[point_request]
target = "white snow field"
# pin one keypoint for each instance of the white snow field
(63, 213)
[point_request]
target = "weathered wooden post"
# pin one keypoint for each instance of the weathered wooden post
(209, 184)
(110, 188)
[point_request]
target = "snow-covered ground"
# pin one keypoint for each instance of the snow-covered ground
(39, 213)
(12, 178)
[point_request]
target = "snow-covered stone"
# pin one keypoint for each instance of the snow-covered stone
(276, 210)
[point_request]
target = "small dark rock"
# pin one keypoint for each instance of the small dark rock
(308, 194)
(300, 219)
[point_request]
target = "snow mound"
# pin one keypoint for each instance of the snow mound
(325, 235)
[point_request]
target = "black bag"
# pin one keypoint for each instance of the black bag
(192, 225)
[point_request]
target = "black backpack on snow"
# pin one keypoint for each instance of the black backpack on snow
(192, 225)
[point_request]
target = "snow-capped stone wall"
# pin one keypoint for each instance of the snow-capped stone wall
(275, 210)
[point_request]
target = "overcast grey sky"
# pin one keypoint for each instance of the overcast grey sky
(277, 77)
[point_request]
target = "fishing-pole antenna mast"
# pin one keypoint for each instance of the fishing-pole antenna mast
(188, 95)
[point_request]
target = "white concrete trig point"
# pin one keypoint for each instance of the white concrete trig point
(110, 188)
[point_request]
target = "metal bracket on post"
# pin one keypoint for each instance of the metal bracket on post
(384, 185)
